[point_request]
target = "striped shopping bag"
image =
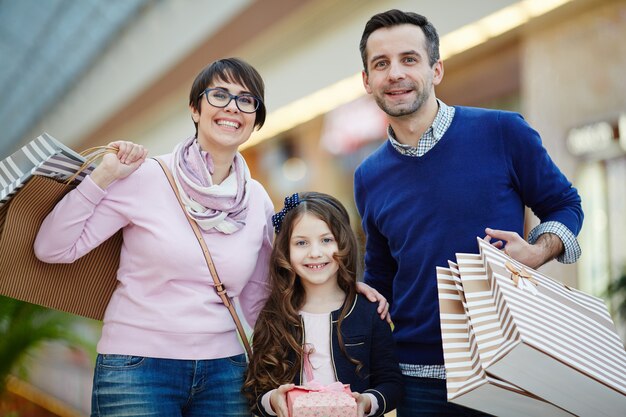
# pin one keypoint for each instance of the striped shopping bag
(44, 156)
(468, 381)
(553, 341)
(33, 181)
(491, 334)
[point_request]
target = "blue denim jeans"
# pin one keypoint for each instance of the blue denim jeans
(137, 386)
(428, 397)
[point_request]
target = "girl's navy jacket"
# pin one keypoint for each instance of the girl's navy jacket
(367, 339)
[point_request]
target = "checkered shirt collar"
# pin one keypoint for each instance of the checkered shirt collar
(431, 136)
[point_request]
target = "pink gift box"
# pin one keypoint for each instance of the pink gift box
(305, 402)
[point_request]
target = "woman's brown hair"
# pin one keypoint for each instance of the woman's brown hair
(278, 334)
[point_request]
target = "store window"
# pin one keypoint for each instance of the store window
(593, 266)
(600, 180)
(616, 206)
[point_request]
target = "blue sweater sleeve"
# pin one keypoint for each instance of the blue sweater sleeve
(386, 377)
(380, 266)
(537, 179)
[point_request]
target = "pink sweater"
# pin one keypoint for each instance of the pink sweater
(164, 305)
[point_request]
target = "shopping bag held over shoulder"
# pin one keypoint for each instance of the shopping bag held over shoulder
(83, 287)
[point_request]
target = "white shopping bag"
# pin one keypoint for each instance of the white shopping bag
(467, 380)
(553, 341)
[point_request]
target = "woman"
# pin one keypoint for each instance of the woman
(169, 347)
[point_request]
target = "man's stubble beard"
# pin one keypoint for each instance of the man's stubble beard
(422, 97)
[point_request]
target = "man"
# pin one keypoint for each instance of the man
(446, 175)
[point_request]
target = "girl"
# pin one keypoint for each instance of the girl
(315, 314)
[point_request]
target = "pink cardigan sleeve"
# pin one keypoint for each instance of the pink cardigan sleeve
(255, 293)
(81, 221)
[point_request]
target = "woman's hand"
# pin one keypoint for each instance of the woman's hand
(374, 296)
(278, 400)
(363, 404)
(115, 166)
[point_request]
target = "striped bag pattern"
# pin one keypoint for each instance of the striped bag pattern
(44, 156)
(83, 287)
(468, 382)
(559, 343)
(494, 334)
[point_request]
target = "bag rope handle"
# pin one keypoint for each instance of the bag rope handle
(91, 155)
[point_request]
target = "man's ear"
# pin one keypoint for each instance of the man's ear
(366, 82)
(438, 72)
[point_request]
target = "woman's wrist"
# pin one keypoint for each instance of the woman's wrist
(102, 178)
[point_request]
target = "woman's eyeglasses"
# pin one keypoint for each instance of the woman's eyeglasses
(217, 97)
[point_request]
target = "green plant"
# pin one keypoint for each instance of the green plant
(24, 327)
(616, 291)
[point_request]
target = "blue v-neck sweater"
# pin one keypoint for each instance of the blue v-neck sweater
(418, 212)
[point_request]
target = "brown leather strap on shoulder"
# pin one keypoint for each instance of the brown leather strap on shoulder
(219, 287)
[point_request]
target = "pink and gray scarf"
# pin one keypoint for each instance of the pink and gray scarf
(216, 208)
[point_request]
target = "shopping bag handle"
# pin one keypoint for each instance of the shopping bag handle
(91, 155)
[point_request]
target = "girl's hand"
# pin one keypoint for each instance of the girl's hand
(374, 296)
(115, 166)
(278, 400)
(363, 404)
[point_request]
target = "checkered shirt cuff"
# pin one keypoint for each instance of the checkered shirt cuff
(572, 248)
(423, 371)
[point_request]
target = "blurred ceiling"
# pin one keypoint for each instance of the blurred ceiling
(45, 46)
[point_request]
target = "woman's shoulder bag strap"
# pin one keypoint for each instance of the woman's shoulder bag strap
(219, 287)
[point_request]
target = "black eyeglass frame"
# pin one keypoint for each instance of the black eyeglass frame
(232, 97)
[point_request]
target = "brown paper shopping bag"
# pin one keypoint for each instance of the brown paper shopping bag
(467, 381)
(556, 342)
(83, 287)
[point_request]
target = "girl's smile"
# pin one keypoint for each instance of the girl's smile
(312, 249)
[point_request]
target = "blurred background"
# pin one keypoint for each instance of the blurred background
(92, 71)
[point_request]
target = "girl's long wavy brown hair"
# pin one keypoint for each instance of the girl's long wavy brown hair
(278, 337)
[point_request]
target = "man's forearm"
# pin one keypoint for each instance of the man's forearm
(550, 246)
